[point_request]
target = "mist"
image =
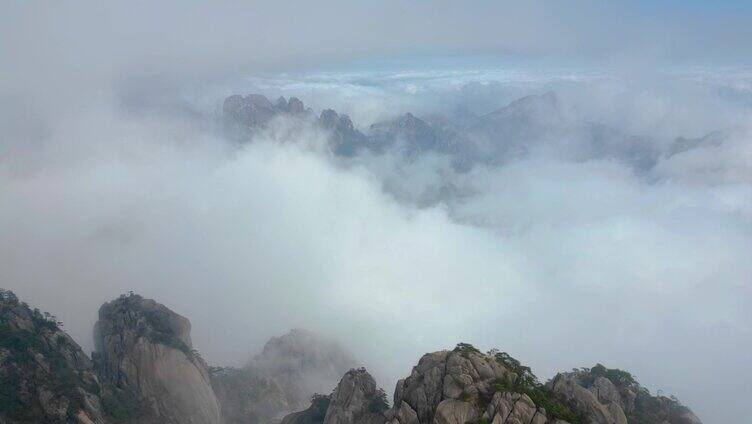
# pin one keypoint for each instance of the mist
(115, 177)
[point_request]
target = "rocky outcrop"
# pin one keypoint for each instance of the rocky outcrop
(465, 385)
(145, 349)
(315, 413)
(45, 377)
(446, 385)
(516, 408)
(611, 396)
(357, 400)
(601, 408)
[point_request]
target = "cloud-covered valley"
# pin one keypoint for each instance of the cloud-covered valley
(572, 185)
(562, 258)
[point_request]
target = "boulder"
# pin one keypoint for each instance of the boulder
(514, 408)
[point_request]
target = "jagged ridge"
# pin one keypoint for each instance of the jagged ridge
(146, 371)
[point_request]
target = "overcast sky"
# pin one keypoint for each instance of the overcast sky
(107, 184)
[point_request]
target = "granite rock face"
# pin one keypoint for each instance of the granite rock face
(146, 349)
(446, 387)
(466, 386)
(315, 413)
(45, 377)
(357, 400)
(608, 396)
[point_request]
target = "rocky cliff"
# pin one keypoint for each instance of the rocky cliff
(607, 396)
(356, 399)
(45, 377)
(315, 413)
(145, 348)
(465, 385)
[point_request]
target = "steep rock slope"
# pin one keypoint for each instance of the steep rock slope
(315, 413)
(465, 385)
(355, 400)
(606, 396)
(45, 377)
(146, 349)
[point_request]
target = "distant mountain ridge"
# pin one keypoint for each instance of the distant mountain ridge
(492, 139)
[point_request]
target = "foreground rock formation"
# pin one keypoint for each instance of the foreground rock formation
(356, 399)
(145, 371)
(464, 385)
(613, 396)
(146, 349)
(45, 377)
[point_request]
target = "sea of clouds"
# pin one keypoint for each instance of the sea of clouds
(561, 262)
(115, 176)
